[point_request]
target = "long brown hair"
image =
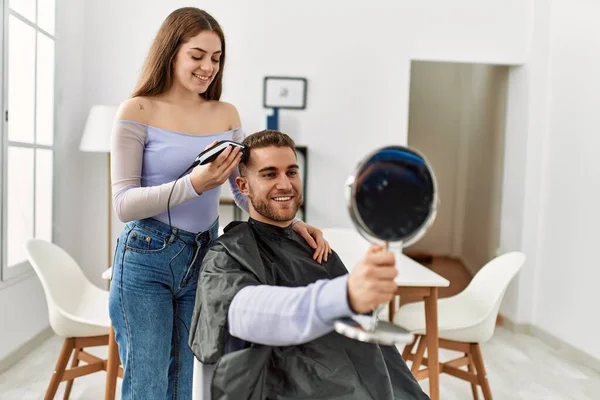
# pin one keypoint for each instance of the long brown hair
(179, 27)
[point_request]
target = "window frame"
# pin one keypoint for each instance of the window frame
(15, 273)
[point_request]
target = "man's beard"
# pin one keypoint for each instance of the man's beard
(268, 210)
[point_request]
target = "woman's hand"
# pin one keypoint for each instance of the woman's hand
(213, 174)
(310, 234)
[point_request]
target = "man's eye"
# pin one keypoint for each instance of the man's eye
(268, 175)
(293, 173)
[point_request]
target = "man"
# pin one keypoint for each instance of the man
(265, 310)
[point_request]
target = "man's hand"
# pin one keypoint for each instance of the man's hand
(371, 282)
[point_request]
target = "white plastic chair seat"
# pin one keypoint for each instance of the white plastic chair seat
(90, 319)
(456, 320)
(469, 316)
(107, 274)
(76, 307)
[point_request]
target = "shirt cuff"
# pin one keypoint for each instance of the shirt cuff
(188, 184)
(333, 300)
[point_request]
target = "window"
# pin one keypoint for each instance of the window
(26, 159)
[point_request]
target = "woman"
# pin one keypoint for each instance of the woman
(171, 217)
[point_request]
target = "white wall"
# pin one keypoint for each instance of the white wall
(23, 314)
(526, 130)
(457, 119)
(549, 205)
(530, 94)
(566, 302)
(23, 304)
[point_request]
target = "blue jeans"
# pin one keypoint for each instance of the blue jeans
(152, 296)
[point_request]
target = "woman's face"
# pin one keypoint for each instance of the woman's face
(197, 61)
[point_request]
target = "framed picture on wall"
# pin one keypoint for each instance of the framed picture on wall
(284, 92)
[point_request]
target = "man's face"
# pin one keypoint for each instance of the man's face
(272, 184)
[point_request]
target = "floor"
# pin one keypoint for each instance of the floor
(519, 366)
(28, 379)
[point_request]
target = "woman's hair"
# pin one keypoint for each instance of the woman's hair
(179, 27)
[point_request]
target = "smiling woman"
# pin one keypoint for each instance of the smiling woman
(189, 44)
(174, 113)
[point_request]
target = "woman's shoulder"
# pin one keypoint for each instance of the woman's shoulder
(137, 109)
(227, 112)
(224, 106)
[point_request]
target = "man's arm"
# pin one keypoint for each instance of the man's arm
(283, 316)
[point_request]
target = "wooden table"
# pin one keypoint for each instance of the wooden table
(415, 279)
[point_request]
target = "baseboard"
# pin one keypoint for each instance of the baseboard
(517, 328)
(17, 355)
(471, 269)
(568, 350)
(574, 354)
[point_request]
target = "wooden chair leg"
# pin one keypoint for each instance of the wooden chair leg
(418, 357)
(471, 368)
(112, 367)
(59, 369)
(481, 373)
(406, 352)
(74, 363)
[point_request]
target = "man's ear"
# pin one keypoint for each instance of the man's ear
(242, 184)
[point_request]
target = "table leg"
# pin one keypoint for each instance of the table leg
(431, 323)
(112, 367)
(392, 310)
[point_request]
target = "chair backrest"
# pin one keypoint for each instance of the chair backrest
(486, 290)
(349, 245)
(62, 279)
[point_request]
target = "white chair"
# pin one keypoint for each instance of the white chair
(465, 320)
(349, 245)
(78, 311)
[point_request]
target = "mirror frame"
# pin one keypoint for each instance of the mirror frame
(353, 208)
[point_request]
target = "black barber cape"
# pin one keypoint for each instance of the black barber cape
(330, 367)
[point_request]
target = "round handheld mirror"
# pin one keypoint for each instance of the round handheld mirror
(392, 200)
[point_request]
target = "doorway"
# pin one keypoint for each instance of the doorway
(457, 115)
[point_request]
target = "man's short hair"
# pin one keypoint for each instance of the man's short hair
(264, 138)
